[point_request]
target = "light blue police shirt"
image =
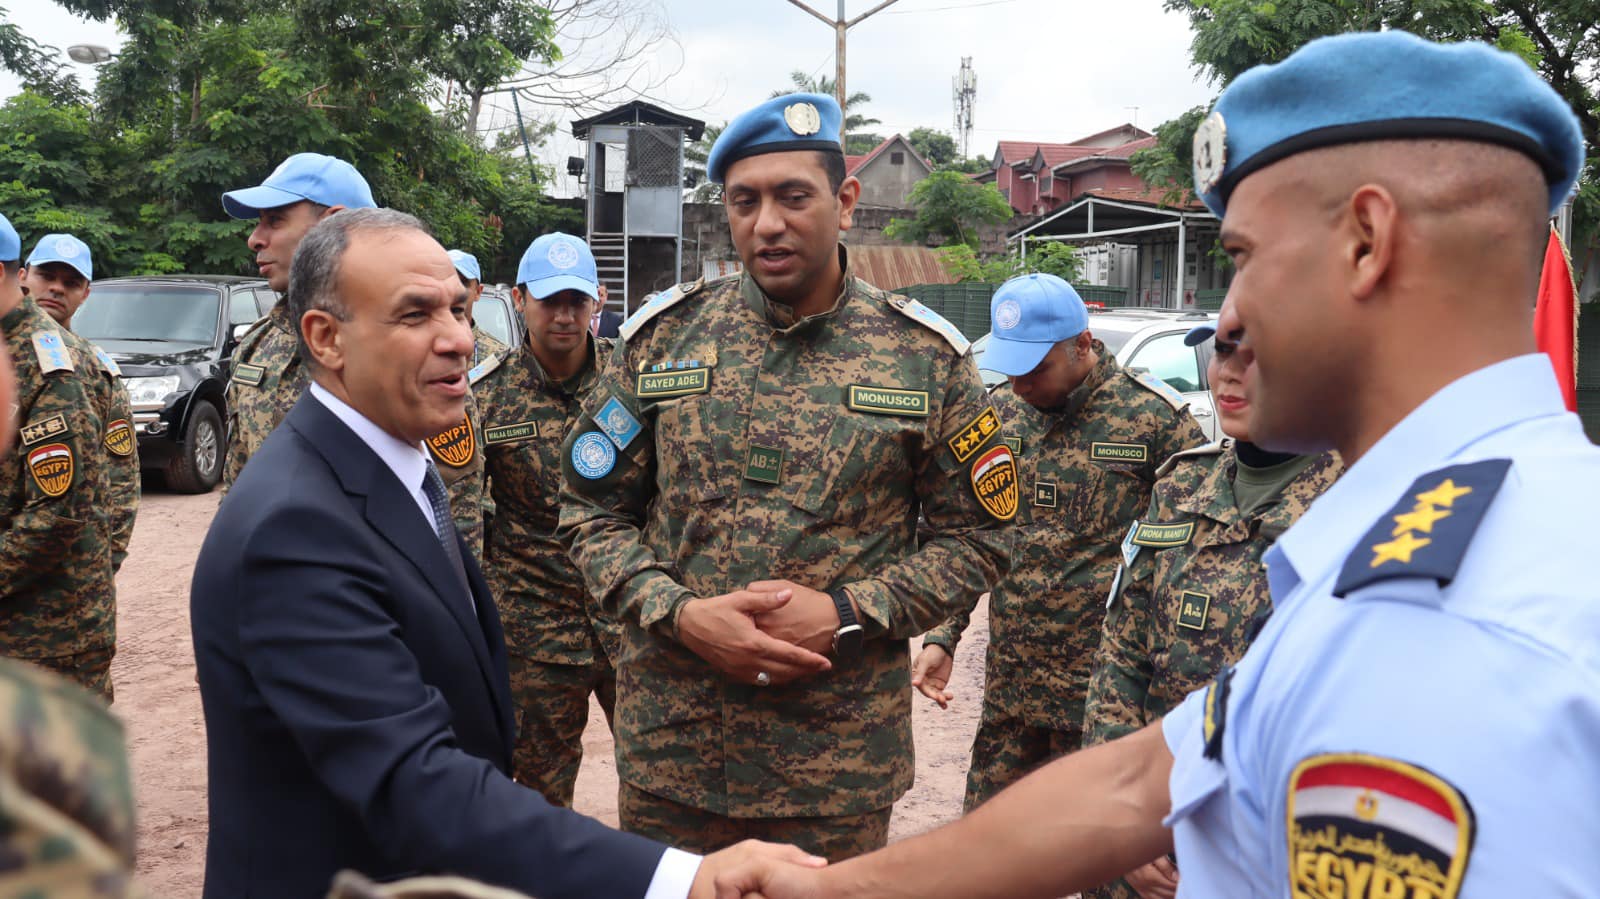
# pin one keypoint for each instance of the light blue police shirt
(1421, 739)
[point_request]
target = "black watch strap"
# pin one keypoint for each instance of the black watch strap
(848, 638)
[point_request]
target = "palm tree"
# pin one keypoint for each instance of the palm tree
(825, 85)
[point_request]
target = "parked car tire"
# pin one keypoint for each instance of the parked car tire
(199, 466)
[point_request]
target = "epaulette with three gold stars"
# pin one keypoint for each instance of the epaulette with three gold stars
(1427, 533)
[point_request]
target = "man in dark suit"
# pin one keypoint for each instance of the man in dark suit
(350, 658)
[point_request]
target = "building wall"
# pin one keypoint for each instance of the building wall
(885, 184)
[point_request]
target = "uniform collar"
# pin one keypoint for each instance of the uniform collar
(1102, 372)
(1464, 412)
(1213, 496)
(780, 315)
(279, 316)
(543, 379)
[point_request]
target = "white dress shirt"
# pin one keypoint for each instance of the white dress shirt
(409, 462)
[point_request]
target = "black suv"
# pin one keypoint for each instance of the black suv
(173, 337)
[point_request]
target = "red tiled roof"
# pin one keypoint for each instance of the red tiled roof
(850, 164)
(1017, 150)
(1130, 148)
(1150, 195)
(1100, 134)
(1055, 154)
(893, 268)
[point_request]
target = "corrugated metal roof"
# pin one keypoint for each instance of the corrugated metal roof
(891, 268)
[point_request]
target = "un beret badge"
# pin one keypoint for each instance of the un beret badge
(802, 118)
(1210, 152)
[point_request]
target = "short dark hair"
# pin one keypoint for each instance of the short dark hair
(314, 271)
(833, 165)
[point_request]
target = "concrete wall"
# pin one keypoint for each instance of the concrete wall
(706, 237)
(888, 185)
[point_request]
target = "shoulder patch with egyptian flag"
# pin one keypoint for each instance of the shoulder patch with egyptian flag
(977, 432)
(887, 400)
(1365, 825)
(52, 468)
(1161, 536)
(119, 438)
(51, 352)
(456, 446)
(1426, 534)
(994, 482)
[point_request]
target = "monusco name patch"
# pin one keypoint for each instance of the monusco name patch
(887, 400)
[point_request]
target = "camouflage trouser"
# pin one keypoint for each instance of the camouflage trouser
(552, 704)
(835, 838)
(1005, 751)
(90, 670)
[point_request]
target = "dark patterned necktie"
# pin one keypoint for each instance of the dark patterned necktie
(445, 527)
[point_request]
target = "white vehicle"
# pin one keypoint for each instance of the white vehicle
(1152, 340)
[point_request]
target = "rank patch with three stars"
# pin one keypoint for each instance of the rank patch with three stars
(1427, 533)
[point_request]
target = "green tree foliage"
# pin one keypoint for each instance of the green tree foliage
(1556, 37)
(974, 166)
(1049, 257)
(1170, 163)
(938, 147)
(950, 208)
(210, 95)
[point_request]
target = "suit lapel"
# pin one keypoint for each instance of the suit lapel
(394, 514)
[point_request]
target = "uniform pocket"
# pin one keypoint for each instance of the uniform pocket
(859, 461)
(691, 459)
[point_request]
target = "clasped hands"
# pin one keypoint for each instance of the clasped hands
(778, 628)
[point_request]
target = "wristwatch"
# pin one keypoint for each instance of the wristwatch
(848, 638)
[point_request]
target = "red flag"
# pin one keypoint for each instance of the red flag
(1555, 318)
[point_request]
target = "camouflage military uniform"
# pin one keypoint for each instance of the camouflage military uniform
(485, 346)
(754, 446)
(268, 379)
(1085, 472)
(559, 644)
(1194, 595)
(56, 601)
(122, 450)
(65, 793)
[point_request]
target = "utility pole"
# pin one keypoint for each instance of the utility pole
(840, 25)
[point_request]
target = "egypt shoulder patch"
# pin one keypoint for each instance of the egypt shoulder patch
(977, 432)
(1161, 388)
(994, 482)
(1426, 534)
(1161, 536)
(52, 468)
(660, 303)
(107, 363)
(43, 429)
(51, 351)
(456, 446)
(1365, 825)
(119, 438)
(933, 321)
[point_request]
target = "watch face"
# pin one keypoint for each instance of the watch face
(847, 642)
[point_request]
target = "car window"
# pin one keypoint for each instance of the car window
(242, 308)
(178, 313)
(493, 315)
(1169, 359)
(265, 300)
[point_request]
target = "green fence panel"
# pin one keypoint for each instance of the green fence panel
(1210, 300)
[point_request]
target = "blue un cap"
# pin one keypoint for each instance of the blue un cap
(466, 265)
(1199, 334)
(1384, 86)
(789, 122)
(303, 176)
(66, 249)
(557, 262)
(10, 243)
(1029, 315)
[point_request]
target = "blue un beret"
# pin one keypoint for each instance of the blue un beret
(789, 122)
(1384, 86)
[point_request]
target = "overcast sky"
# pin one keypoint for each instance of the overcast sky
(1050, 70)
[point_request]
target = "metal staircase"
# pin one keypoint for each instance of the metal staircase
(611, 261)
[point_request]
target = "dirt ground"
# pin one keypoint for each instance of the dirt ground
(158, 701)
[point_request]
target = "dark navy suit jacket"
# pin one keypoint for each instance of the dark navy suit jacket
(357, 707)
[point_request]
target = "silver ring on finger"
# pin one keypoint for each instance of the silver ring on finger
(763, 679)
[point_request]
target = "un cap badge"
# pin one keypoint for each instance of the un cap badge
(1210, 152)
(802, 118)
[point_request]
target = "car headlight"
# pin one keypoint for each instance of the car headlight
(150, 391)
